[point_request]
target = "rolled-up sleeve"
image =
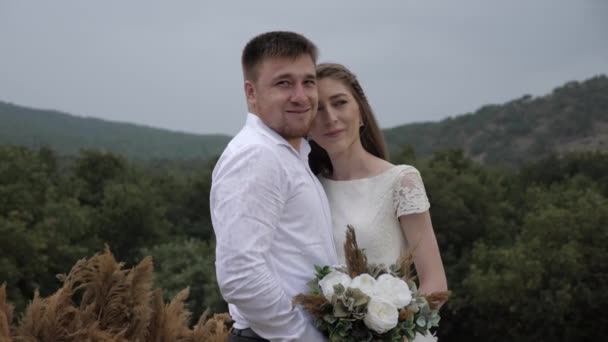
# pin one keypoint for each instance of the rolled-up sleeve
(247, 198)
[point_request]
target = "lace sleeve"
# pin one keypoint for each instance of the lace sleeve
(409, 195)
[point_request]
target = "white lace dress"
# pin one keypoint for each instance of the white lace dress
(372, 206)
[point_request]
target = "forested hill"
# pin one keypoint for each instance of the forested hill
(68, 134)
(574, 117)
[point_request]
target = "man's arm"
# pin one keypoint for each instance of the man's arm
(247, 200)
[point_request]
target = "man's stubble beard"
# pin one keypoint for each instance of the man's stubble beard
(288, 132)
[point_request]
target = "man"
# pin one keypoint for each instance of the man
(269, 212)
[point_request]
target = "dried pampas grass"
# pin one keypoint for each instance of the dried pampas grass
(101, 301)
(6, 316)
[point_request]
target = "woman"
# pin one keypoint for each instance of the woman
(386, 203)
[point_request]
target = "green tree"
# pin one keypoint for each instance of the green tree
(550, 284)
(21, 260)
(23, 184)
(130, 216)
(95, 169)
(188, 263)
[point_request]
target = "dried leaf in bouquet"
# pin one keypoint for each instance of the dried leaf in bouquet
(405, 314)
(356, 261)
(436, 299)
(316, 305)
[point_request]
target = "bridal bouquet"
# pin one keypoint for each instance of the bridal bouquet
(368, 302)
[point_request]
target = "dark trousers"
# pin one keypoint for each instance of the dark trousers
(244, 335)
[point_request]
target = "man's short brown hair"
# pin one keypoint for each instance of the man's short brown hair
(273, 44)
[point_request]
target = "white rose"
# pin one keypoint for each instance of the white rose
(333, 278)
(365, 283)
(394, 290)
(381, 316)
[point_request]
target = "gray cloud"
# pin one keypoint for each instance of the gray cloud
(176, 64)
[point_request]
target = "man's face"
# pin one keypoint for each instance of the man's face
(285, 96)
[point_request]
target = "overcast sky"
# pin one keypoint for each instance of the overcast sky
(176, 64)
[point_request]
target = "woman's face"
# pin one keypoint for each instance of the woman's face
(336, 125)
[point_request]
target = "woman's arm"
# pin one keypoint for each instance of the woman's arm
(418, 231)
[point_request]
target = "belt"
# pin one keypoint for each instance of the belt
(247, 332)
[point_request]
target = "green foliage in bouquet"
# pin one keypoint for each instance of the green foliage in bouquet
(343, 323)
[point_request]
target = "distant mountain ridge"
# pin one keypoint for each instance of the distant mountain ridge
(67, 134)
(573, 117)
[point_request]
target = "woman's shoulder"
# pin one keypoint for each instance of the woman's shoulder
(406, 167)
(406, 176)
(405, 170)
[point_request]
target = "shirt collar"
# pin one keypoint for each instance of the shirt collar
(256, 123)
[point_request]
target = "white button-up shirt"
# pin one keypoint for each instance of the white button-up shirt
(272, 225)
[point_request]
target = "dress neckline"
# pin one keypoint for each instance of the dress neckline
(345, 181)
